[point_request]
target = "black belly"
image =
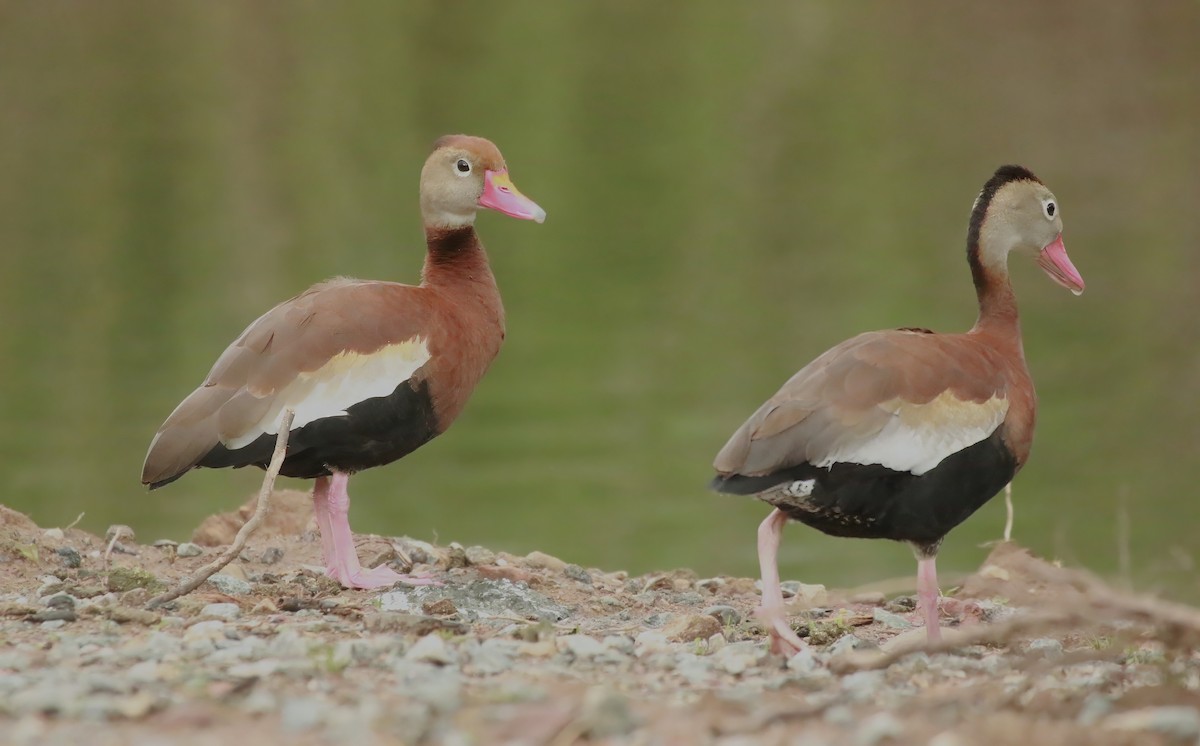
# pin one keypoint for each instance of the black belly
(372, 433)
(874, 502)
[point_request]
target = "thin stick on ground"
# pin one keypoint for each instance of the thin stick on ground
(1008, 512)
(239, 542)
(1085, 600)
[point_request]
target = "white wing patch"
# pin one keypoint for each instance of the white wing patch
(917, 437)
(346, 380)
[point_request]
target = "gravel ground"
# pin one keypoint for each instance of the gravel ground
(534, 650)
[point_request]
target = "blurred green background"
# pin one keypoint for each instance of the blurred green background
(731, 188)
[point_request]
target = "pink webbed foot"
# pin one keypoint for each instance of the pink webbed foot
(377, 577)
(784, 640)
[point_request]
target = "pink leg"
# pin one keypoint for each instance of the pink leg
(343, 564)
(783, 639)
(321, 513)
(927, 595)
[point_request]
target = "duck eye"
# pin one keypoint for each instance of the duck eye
(462, 166)
(1049, 208)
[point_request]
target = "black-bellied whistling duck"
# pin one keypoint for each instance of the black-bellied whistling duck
(372, 370)
(903, 434)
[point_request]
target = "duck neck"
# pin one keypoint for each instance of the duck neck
(998, 316)
(455, 255)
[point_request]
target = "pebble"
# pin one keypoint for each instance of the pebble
(230, 585)
(605, 713)
(812, 594)
(726, 615)
(804, 661)
(1178, 722)
(689, 627)
(878, 728)
(575, 572)
(890, 620)
(737, 657)
(188, 549)
(1095, 706)
(545, 561)
(61, 601)
(61, 615)
(478, 555)
(862, 686)
(221, 611)
(430, 649)
(1046, 647)
(69, 556)
(650, 641)
(581, 646)
(845, 644)
(303, 713)
(493, 656)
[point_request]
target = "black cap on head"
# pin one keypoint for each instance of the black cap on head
(1004, 175)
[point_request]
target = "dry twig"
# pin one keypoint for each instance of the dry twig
(239, 542)
(1095, 602)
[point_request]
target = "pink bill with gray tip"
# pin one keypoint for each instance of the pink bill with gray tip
(499, 194)
(1054, 261)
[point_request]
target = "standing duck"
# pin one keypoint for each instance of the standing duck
(903, 434)
(372, 370)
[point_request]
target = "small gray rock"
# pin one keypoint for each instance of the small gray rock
(430, 649)
(69, 556)
(736, 657)
(1046, 647)
(619, 643)
(804, 661)
(657, 620)
(61, 601)
(840, 715)
(726, 615)
(863, 686)
(581, 646)
(60, 615)
(575, 572)
(493, 656)
(1179, 721)
(890, 620)
(877, 728)
(1095, 706)
(229, 584)
(302, 713)
(605, 714)
(188, 549)
(221, 611)
(689, 598)
(845, 644)
(478, 555)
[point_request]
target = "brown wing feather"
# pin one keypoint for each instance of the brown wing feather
(297, 336)
(850, 393)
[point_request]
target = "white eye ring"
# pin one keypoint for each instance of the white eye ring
(462, 167)
(1049, 209)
